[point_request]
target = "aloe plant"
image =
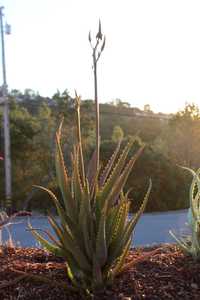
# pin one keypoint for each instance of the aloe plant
(191, 243)
(94, 233)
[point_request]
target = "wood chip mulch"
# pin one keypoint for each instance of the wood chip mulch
(166, 274)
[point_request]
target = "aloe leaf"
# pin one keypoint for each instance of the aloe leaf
(74, 276)
(97, 273)
(135, 218)
(69, 243)
(91, 172)
(46, 244)
(73, 270)
(84, 221)
(77, 186)
(49, 235)
(119, 223)
(78, 100)
(120, 182)
(182, 245)
(101, 247)
(74, 266)
(59, 208)
(118, 267)
(196, 237)
(110, 220)
(57, 229)
(84, 229)
(194, 205)
(191, 197)
(105, 190)
(131, 225)
(74, 230)
(72, 246)
(196, 202)
(71, 275)
(109, 166)
(62, 177)
(116, 243)
(87, 240)
(190, 170)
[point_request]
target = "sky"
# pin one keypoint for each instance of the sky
(152, 53)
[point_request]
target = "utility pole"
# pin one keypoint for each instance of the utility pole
(6, 121)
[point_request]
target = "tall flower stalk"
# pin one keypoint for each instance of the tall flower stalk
(97, 49)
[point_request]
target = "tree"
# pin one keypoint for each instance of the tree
(147, 108)
(183, 137)
(118, 134)
(119, 103)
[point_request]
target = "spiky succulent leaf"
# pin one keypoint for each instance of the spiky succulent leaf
(118, 247)
(115, 174)
(182, 244)
(135, 218)
(97, 275)
(196, 238)
(76, 181)
(195, 194)
(118, 227)
(101, 247)
(62, 177)
(57, 204)
(109, 166)
(85, 220)
(120, 182)
(121, 259)
(80, 150)
(57, 251)
(91, 171)
(56, 227)
(110, 222)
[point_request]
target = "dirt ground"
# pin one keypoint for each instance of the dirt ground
(166, 274)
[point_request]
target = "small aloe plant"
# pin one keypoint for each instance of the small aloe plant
(191, 243)
(6, 221)
(94, 233)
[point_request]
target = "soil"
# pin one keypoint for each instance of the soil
(166, 274)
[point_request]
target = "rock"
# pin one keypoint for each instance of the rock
(194, 286)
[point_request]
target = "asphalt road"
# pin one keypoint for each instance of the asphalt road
(151, 229)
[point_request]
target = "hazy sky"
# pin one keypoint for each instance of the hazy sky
(152, 53)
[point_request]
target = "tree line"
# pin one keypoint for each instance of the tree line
(169, 145)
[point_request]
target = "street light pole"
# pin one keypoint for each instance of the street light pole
(6, 122)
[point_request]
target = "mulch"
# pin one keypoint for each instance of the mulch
(166, 274)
